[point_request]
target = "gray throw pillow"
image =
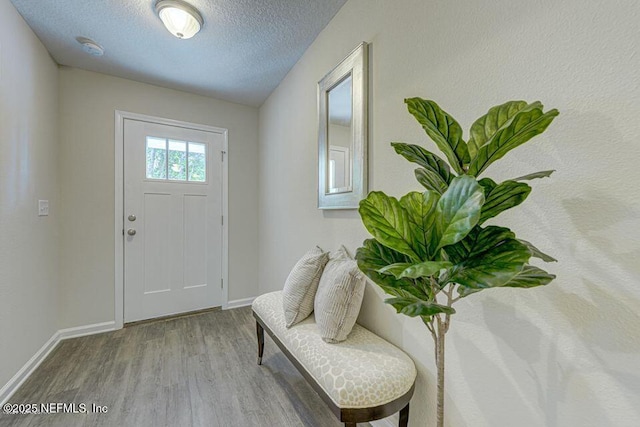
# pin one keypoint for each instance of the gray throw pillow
(339, 297)
(301, 286)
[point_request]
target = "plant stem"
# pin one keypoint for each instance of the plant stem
(432, 329)
(438, 325)
(440, 368)
(439, 328)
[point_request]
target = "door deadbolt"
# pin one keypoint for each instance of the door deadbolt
(131, 218)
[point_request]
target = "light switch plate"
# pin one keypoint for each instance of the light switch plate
(43, 207)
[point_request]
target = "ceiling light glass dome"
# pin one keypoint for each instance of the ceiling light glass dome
(181, 19)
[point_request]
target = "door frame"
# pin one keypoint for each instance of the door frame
(120, 117)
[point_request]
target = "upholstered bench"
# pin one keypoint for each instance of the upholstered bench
(362, 379)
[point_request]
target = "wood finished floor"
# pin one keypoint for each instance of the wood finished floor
(196, 370)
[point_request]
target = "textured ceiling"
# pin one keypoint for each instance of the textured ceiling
(243, 51)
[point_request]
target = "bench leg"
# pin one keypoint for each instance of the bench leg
(260, 333)
(404, 417)
(350, 425)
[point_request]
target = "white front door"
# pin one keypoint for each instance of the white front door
(172, 220)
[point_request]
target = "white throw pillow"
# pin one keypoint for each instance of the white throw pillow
(339, 297)
(301, 286)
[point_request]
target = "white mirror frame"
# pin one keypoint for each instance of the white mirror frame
(356, 64)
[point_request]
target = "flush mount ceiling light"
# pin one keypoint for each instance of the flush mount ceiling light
(181, 19)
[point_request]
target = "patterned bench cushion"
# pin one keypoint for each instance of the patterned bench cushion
(363, 371)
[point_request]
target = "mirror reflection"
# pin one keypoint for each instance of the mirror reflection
(340, 136)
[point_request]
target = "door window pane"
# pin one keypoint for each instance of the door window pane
(173, 160)
(197, 162)
(177, 160)
(156, 158)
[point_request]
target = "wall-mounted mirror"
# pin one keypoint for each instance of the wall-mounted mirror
(342, 133)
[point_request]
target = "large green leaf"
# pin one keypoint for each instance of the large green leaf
(388, 222)
(482, 240)
(494, 258)
(431, 180)
(426, 159)
(420, 208)
(415, 307)
(502, 197)
(530, 277)
(525, 125)
(488, 184)
(535, 252)
(373, 256)
(461, 251)
(458, 211)
(535, 175)
(442, 129)
(413, 271)
(483, 129)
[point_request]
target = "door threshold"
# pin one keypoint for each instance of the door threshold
(172, 316)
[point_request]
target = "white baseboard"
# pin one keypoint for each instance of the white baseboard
(81, 331)
(391, 421)
(239, 303)
(28, 368)
(21, 376)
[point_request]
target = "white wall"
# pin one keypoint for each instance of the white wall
(562, 355)
(87, 104)
(28, 172)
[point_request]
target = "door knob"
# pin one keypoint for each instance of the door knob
(131, 217)
(131, 232)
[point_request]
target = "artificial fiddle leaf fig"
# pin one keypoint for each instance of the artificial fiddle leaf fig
(458, 211)
(420, 208)
(373, 256)
(430, 248)
(530, 277)
(413, 307)
(424, 158)
(535, 175)
(523, 126)
(502, 197)
(488, 184)
(388, 222)
(495, 259)
(395, 270)
(431, 180)
(535, 252)
(483, 129)
(442, 129)
(414, 271)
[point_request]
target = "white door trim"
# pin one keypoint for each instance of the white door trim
(120, 117)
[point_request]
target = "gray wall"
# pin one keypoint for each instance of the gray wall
(28, 172)
(562, 355)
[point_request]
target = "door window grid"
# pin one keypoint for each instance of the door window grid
(174, 160)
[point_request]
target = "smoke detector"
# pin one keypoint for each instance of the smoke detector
(91, 47)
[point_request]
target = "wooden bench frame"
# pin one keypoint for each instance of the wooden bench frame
(349, 416)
